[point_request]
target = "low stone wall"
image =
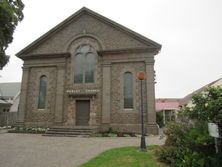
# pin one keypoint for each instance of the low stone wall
(130, 128)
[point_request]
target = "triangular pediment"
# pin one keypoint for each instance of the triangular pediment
(86, 21)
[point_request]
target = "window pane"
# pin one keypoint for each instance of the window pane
(78, 68)
(89, 67)
(84, 48)
(85, 60)
(42, 92)
(128, 90)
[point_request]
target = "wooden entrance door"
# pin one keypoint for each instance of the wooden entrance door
(82, 112)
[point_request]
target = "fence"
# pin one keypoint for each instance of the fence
(8, 118)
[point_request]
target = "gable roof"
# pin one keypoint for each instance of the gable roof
(9, 89)
(82, 11)
(187, 98)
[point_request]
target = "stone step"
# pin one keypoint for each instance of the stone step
(65, 135)
(83, 131)
(71, 130)
(67, 132)
(74, 127)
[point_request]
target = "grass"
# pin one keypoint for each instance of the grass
(125, 157)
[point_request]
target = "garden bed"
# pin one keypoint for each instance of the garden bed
(32, 130)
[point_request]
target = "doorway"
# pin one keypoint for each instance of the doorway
(82, 112)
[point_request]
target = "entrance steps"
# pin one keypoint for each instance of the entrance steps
(76, 131)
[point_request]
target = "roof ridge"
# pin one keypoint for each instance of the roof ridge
(207, 85)
(185, 98)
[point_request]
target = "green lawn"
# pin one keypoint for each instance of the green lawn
(125, 157)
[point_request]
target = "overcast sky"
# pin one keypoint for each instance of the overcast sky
(190, 32)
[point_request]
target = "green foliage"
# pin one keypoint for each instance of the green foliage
(180, 157)
(186, 145)
(206, 106)
(110, 130)
(176, 134)
(167, 154)
(159, 119)
(10, 15)
(214, 160)
(27, 129)
(199, 135)
(188, 142)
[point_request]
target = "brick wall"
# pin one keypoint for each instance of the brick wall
(33, 114)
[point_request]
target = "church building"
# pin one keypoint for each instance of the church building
(83, 73)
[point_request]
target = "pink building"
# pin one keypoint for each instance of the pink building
(168, 107)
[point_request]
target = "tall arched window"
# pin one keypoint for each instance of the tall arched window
(84, 64)
(42, 92)
(79, 61)
(128, 90)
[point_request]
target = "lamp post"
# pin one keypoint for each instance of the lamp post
(141, 77)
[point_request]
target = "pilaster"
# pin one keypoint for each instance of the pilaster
(59, 93)
(151, 113)
(23, 96)
(106, 93)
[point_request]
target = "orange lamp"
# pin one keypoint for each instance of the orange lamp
(141, 75)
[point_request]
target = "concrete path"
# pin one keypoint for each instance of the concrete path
(31, 150)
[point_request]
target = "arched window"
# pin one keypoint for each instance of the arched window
(78, 68)
(42, 92)
(84, 64)
(128, 90)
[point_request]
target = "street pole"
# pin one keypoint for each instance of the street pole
(141, 77)
(143, 140)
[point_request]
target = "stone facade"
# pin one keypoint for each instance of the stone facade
(118, 49)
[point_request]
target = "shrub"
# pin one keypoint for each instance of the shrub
(159, 119)
(206, 106)
(110, 130)
(187, 145)
(214, 160)
(188, 142)
(180, 157)
(167, 154)
(176, 134)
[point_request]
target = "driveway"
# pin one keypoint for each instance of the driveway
(32, 150)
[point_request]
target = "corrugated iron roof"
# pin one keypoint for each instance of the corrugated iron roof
(167, 104)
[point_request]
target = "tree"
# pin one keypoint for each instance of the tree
(207, 106)
(10, 15)
(188, 142)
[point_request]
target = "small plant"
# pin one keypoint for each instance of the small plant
(98, 135)
(110, 130)
(25, 129)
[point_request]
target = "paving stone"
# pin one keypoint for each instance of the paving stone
(34, 150)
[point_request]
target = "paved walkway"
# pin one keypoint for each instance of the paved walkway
(31, 150)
